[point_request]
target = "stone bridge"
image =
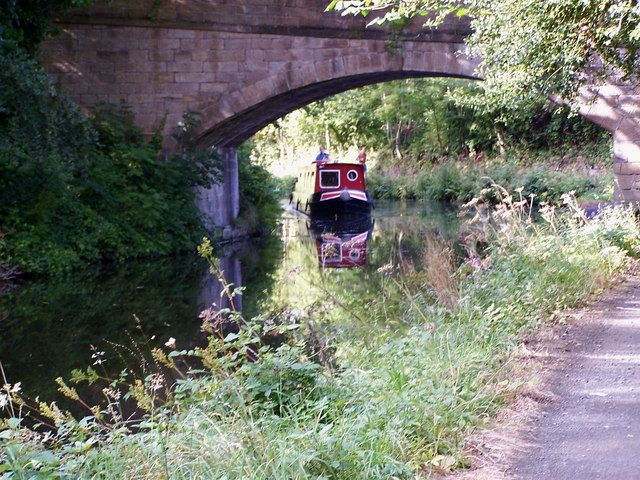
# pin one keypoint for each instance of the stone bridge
(244, 63)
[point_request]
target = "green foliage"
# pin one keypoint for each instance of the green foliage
(399, 402)
(284, 380)
(447, 184)
(530, 49)
(260, 193)
(410, 124)
(456, 182)
(24, 24)
(384, 187)
(285, 185)
(76, 190)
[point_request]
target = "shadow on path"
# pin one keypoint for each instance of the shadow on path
(592, 429)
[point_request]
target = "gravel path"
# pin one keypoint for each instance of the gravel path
(591, 431)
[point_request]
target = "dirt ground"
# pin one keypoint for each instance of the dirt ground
(577, 415)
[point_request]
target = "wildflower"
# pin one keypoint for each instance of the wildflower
(4, 400)
(386, 268)
(171, 343)
(111, 393)
(212, 320)
(7, 387)
(98, 358)
(156, 383)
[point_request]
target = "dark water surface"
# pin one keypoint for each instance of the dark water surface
(49, 327)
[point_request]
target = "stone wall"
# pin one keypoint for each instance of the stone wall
(240, 82)
(281, 17)
(615, 106)
(220, 204)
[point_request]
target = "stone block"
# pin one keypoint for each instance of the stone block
(351, 66)
(364, 63)
(182, 55)
(112, 55)
(178, 33)
(256, 93)
(161, 55)
(237, 101)
(139, 55)
(625, 182)
(146, 67)
(626, 168)
(226, 67)
(630, 195)
(235, 44)
(161, 77)
(213, 87)
(167, 44)
(254, 56)
(281, 43)
(628, 130)
(142, 99)
(128, 77)
(324, 70)
(304, 76)
(179, 88)
(626, 150)
(185, 67)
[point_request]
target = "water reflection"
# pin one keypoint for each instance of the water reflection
(48, 325)
(341, 243)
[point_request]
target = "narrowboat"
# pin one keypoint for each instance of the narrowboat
(327, 189)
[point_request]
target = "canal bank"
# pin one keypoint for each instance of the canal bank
(392, 384)
(573, 414)
(117, 308)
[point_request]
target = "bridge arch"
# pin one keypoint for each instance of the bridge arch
(251, 107)
(241, 66)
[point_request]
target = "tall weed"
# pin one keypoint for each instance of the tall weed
(398, 402)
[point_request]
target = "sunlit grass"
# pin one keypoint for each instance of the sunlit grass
(390, 402)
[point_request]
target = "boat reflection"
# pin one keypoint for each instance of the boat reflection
(342, 242)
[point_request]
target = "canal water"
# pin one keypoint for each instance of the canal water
(111, 316)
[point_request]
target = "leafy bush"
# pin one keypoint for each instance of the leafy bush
(448, 183)
(385, 187)
(76, 190)
(285, 185)
(260, 193)
(458, 183)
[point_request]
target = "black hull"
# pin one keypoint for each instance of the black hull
(341, 208)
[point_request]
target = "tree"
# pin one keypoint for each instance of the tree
(25, 23)
(530, 48)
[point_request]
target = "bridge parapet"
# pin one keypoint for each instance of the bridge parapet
(273, 17)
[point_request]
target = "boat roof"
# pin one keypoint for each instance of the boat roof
(330, 163)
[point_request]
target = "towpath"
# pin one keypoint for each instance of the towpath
(585, 423)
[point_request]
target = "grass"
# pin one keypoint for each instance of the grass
(458, 182)
(396, 403)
